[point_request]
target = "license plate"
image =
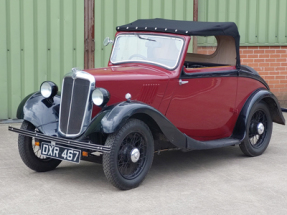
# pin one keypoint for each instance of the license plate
(60, 152)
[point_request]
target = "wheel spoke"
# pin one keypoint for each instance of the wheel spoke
(258, 117)
(126, 167)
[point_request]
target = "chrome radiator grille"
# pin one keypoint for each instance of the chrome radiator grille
(76, 105)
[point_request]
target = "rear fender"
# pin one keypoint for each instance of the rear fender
(257, 96)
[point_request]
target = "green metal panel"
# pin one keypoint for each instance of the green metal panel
(260, 22)
(4, 54)
(40, 40)
(111, 13)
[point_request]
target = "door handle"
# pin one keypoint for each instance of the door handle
(181, 82)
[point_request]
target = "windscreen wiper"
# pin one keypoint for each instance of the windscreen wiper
(143, 38)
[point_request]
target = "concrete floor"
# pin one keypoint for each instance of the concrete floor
(219, 181)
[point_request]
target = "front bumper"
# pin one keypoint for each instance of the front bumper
(63, 141)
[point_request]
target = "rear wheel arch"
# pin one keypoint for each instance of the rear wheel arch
(259, 95)
(273, 109)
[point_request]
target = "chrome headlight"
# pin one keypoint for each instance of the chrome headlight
(100, 97)
(48, 89)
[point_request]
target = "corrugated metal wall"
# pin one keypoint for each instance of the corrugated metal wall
(43, 39)
(260, 22)
(40, 40)
(111, 13)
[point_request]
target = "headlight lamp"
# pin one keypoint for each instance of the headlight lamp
(100, 97)
(48, 89)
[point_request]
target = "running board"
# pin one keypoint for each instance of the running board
(200, 145)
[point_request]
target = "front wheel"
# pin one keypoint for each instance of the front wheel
(258, 131)
(131, 155)
(30, 152)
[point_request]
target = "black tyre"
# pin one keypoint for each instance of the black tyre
(258, 131)
(30, 153)
(131, 156)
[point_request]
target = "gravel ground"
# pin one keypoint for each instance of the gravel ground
(218, 181)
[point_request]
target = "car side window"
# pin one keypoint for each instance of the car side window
(211, 52)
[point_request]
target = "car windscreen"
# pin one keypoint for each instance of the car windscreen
(161, 50)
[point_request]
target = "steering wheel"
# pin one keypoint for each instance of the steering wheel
(137, 55)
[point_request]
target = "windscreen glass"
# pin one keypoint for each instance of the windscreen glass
(161, 50)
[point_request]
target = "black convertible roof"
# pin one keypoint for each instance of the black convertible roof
(182, 27)
(190, 28)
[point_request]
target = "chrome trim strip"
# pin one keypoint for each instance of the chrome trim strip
(62, 141)
(71, 101)
(89, 103)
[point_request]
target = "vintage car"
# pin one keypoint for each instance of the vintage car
(155, 95)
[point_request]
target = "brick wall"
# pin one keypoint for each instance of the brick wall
(269, 61)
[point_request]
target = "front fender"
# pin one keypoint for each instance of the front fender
(118, 115)
(257, 96)
(41, 112)
(20, 111)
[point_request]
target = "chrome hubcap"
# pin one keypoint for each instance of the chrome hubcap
(135, 155)
(260, 128)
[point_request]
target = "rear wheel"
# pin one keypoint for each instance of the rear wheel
(258, 131)
(131, 155)
(30, 153)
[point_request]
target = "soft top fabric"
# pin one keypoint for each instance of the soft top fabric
(190, 28)
(182, 27)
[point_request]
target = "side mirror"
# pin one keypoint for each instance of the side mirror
(107, 41)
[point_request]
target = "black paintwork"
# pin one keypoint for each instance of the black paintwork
(20, 113)
(258, 95)
(201, 145)
(42, 113)
(247, 74)
(62, 141)
(192, 64)
(113, 118)
(120, 113)
(95, 125)
(228, 73)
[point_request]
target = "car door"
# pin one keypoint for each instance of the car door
(202, 105)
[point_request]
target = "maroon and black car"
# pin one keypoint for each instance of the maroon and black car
(159, 92)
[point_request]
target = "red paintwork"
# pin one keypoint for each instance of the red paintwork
(204, 109)
(136, 79)
(245, 87)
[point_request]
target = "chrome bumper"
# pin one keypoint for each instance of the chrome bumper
(62, 141)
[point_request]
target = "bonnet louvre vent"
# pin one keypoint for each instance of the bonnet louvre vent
(148, 93)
